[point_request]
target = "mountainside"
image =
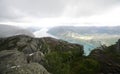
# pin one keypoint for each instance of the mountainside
(86, 29)
(27, 55)
(7, 31)
(108, 57)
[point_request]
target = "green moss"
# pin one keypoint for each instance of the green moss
(85, 66)
(68, 63)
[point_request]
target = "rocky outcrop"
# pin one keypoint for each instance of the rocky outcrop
(109, 59)
(32, 68)
(30, 45)
(15, 62)
(11, 59)
(26, 55)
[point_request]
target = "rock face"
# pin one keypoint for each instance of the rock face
(15, 62)
(32, 68)
(10, 59)
(109, 58)
(29, 45)
(25, 55)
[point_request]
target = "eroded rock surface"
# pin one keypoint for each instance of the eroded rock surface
(26, 55)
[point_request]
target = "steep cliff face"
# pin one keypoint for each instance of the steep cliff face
(27, 55)
(109, 58)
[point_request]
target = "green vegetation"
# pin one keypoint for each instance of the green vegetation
(67, 63)
(85, 66)
(57, 63)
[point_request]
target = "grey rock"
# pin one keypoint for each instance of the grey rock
(10, 59)
(32, 68)
(26, 55)
(36, 57)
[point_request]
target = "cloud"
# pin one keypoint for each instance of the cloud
(8, 12)
(58, 11)
(40, 8)
(82, 8)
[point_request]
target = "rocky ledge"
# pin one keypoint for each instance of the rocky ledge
(109, 58)
(26, 55)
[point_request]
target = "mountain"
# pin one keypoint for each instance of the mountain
(90, 37)
(7, 31)
(109, 58)
(86, 29)
(23, 54)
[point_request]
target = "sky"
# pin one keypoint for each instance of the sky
(47, 13)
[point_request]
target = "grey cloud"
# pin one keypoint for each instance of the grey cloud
(41, 8)
(54, 8)
(90, 7)
(6, 12)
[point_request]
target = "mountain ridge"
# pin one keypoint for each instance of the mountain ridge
(31, 52)
(23, 54)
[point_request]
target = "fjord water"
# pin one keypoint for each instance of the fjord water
(43, 32)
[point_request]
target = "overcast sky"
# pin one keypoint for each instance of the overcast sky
(58, 12)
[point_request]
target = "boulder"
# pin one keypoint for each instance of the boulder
(32, 68)
(10, 59)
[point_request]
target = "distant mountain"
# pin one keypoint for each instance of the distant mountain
(86, 30)
(7, 31)
(90, 37)
(33, 29)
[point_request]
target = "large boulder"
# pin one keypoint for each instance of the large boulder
(11, 59)
(32, 68)
(15, 62)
